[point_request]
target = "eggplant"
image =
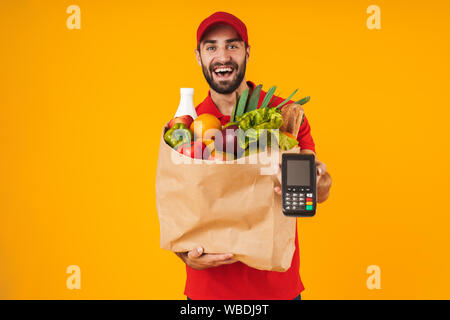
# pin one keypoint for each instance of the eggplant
(227, 140)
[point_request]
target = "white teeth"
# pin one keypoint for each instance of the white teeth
(223, 70)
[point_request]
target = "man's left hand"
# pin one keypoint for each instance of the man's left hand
(323, 181)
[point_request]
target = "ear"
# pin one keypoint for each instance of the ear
(247, 53)
(197, 55)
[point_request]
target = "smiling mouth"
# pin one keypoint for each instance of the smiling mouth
(223, 72)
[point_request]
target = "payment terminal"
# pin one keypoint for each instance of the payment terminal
(298, 185)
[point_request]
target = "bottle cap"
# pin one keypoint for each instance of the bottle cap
(187, 91)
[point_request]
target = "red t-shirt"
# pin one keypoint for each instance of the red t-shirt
(237, 280)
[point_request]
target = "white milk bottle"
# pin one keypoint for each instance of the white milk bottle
(186, 106)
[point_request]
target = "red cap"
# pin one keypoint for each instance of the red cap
(226, 18)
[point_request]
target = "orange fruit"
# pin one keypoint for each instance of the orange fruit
(208, 141)
(203, 124)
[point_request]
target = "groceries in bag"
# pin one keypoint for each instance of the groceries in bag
(216, 202)
(248, 123)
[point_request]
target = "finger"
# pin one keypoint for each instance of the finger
(229, 261)
(202, 265)
(277, 190)
(195, 253)
(215, 258)
(325, 181)
(321, 167)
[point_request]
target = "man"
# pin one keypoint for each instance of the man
(223, 52)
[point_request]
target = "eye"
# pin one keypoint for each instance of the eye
(210, 48)
(232, 46)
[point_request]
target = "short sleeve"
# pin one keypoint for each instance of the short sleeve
(304, 137)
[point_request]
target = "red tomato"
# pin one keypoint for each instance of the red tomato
(196, 149)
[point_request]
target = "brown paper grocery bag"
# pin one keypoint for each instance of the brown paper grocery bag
(227, 207)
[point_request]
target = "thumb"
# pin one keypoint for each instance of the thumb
(195, 253)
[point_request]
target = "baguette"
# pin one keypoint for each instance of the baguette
(292, 118)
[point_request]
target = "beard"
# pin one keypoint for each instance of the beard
(228, 86)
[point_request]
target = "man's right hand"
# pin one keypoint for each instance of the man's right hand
(198, 260)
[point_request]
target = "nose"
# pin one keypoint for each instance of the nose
(222, 55)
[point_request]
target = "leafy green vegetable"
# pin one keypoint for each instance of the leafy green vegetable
(268, 97)
(253, 123)
(287, 99)
(285, 142)
(270, 105)
(254, 99)
(242, 102)
(273, 138)
(266, 137)
(233, 113)
(260, 125)
(303, 101)
(268, 118)
(230, 124)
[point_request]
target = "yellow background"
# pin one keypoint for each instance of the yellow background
(81, 112)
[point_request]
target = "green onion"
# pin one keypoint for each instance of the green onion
(242, 102)
(268, 96)
(271, 103)
(303, 101)
(233, 113)
(287, 99)
(254, 99)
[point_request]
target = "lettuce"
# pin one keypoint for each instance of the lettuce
(285, 142)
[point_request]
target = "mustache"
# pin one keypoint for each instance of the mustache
(230, 64)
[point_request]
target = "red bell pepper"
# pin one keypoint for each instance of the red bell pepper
(196, 149)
